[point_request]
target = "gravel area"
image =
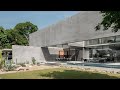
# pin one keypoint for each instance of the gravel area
(30, 68)
(94, 69)
(81, 68)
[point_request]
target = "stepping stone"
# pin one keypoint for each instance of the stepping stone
(20, 68)
(118, 72)
(27, 69)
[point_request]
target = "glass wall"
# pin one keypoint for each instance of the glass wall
(103, 40)
(117, 38)
(90, 53)
(108, 40)
(107, 53)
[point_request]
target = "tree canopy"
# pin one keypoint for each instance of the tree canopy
(111, 19)
(25, 29)
(19, 35)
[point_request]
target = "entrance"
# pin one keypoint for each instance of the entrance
(7, 55)
(70, 54)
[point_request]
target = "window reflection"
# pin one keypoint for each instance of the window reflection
(103, 40)
(117, 38)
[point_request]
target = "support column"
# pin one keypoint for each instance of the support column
(85, 53)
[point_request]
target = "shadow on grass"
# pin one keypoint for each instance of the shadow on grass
(74, 74)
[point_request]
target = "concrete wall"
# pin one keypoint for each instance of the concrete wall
(86, 53)
(51, 53)
(76, 28)
(25, 53)
(80, 55)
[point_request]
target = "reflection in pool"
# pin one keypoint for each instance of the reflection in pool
(106, 65)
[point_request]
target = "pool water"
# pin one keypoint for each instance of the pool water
(106, 65)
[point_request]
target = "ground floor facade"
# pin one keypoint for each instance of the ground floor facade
(106, 49)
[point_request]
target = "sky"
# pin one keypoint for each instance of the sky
(8, 19)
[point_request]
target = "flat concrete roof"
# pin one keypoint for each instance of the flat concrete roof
(6, 49)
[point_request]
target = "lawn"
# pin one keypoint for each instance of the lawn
(58, 73)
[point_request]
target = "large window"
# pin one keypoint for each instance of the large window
(93, 41)
(90, 53)
(99, 41)
(108, 39)
(117, 38)
(87, 42)
(103, 40)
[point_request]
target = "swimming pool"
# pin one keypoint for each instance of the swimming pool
(106, 65)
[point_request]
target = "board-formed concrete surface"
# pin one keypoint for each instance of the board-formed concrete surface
(23, 54)
(79, 27)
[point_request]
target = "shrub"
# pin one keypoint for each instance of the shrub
(38, 63)
(2, 64)
(33, 61)
(0, 55)
(9, 68)
(13, 62)
(22, 64)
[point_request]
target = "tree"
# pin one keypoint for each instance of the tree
(15, 38)
(26, 28)
(111, 19)
(19, 35)
(3, 38)
(2, 30)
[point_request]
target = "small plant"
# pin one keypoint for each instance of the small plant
(9, 68)
(38, 63)
(1, 60)
(0, 55)
(22, 64)
(2, 64)
(33, 61)
(13, 62)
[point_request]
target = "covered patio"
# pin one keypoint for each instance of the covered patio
(7, 55)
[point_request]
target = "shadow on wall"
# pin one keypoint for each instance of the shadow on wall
(76, 54)
(47, 55)
(75, 57)
(74, 74)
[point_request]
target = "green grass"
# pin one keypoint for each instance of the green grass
(59, 73)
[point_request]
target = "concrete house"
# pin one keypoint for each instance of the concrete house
(74, 38)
